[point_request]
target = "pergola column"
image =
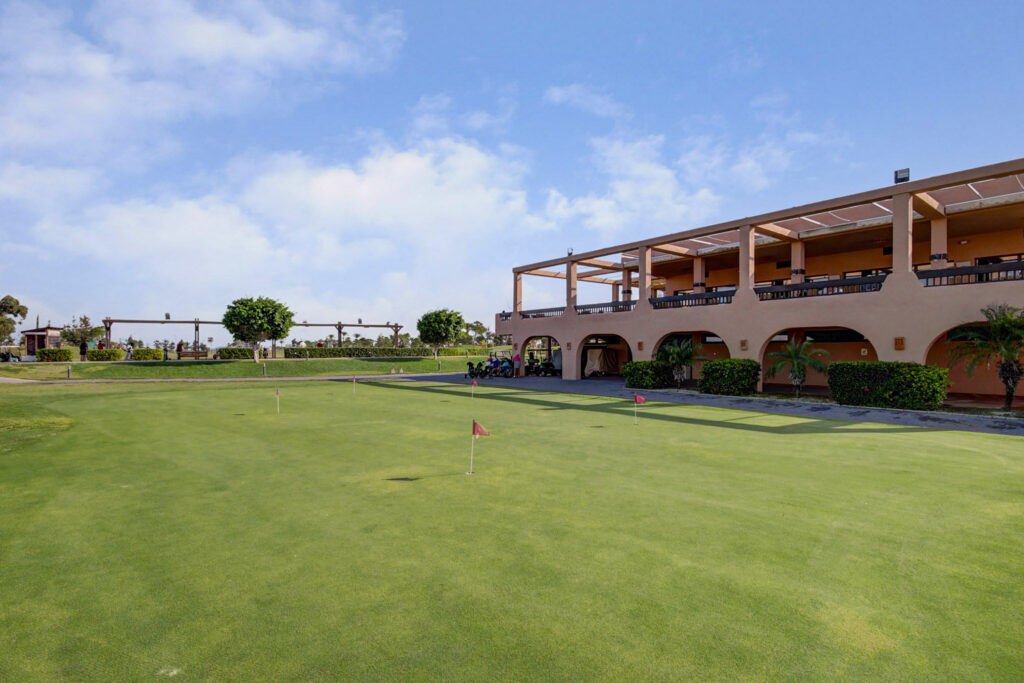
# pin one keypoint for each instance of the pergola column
(746, 266)
(939, 243)
(627, 285)
(797, 262)
(644, 277)
(570, 288)
(517, 293)
(107, 324)
(902, 235)
(615, 291)
(699, 275)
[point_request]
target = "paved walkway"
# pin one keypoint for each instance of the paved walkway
(907, 418)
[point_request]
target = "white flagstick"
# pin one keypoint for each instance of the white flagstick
(472, 447)
(634, 411)
(278, 401)
(353, 386)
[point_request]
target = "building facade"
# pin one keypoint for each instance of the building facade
(879, 275)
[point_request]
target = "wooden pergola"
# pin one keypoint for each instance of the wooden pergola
(108, 324)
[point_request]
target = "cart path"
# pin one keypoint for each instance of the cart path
(1013, 426)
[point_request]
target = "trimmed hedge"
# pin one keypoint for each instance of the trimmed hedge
(887, 384)
(104, 354)
(235, 353)
(358, 352)
(648, 374)
(730, 376)
(147, 354)
(62, 355)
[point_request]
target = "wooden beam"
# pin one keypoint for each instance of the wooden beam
(601, 271)
(673, 249)
(600, 263)
(928, 206)
(580, 277)
(777, 231)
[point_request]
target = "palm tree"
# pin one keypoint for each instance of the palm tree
(680, 354)
(1000, 342)
(798, 356)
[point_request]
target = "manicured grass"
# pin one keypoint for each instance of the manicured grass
(317, 367)
(149, 529)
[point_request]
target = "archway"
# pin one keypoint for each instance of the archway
(841, 343)
(541, 355)
(712, 347)
(603, 355)
(983, 387)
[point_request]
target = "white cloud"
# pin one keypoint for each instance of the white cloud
(109, 94)
(44, 187)
(586, 99)
(643, 194)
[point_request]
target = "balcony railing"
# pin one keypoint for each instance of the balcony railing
(969, 275)
(695, 299)
(853, 285)
(504, 316)
(543, 313)
(609, 307)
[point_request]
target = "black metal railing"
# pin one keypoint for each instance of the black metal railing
(504, 315)
(851, 285)
(609, 307)
(970, 275)
(694, 299)
(543, 313)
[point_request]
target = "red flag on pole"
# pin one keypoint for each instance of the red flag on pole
(474, 383)
(277, 393)
(478, 430)
(638, 399)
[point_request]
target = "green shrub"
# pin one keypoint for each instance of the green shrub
(460, 351)
(648, 374)
(730, 376)
(235, 353)
(147, 354)
(887, 384)
(104, 354)
(62, 355)
(359, 352)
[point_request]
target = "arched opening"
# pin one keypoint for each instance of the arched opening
(841, 344)
(712, 347)
(603, 355)
(541, 357)
(983, 388)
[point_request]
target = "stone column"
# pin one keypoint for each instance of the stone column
(797, 262)
(939, 243)
(699, 275)
(644, 277)
(902, 235)
(517, 293)
(745, 283)
(570, 288)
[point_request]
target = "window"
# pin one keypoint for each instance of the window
(815, 278)
(866, 272)
(989, 260)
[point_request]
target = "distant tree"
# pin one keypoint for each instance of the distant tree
(81, 330)
(797, 356)
(256, 320)
(383, 340)
(1000, 342)
(440, 327)
(10, 311)
(680, 354)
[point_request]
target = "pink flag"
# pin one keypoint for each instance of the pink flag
(478, 430)
(277, 393)
(474, 383)
(638, 399)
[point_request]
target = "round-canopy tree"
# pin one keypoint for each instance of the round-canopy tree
(10, 311)
(440, 327)
(256, 320)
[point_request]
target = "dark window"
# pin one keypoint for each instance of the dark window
(833, 336)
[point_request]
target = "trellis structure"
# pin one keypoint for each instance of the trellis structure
(108, 324)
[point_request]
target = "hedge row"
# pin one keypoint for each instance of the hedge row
(730, 377)
(104, 354)
(61, 355)
(356, 352)
(147, 354)
(235, 353)
(887, 384)
(648, 374)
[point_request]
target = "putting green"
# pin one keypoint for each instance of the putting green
(189, 530)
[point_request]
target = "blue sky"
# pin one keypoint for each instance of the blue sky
(379, 160)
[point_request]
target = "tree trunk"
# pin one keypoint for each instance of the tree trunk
(1011, 389)
(255, 352)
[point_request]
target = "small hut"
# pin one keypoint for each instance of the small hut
(41, 338)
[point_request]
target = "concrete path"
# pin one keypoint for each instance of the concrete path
(908, 418)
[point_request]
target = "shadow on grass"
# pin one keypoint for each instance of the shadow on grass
(623, 408)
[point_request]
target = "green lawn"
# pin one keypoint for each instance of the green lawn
(317, 367)
(147, 530)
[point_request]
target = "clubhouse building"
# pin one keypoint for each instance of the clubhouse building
(879, 275)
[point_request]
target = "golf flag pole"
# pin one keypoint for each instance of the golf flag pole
(478, 431)
(472, 391)
(353, 386)
(278, 393)
(637, 400)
